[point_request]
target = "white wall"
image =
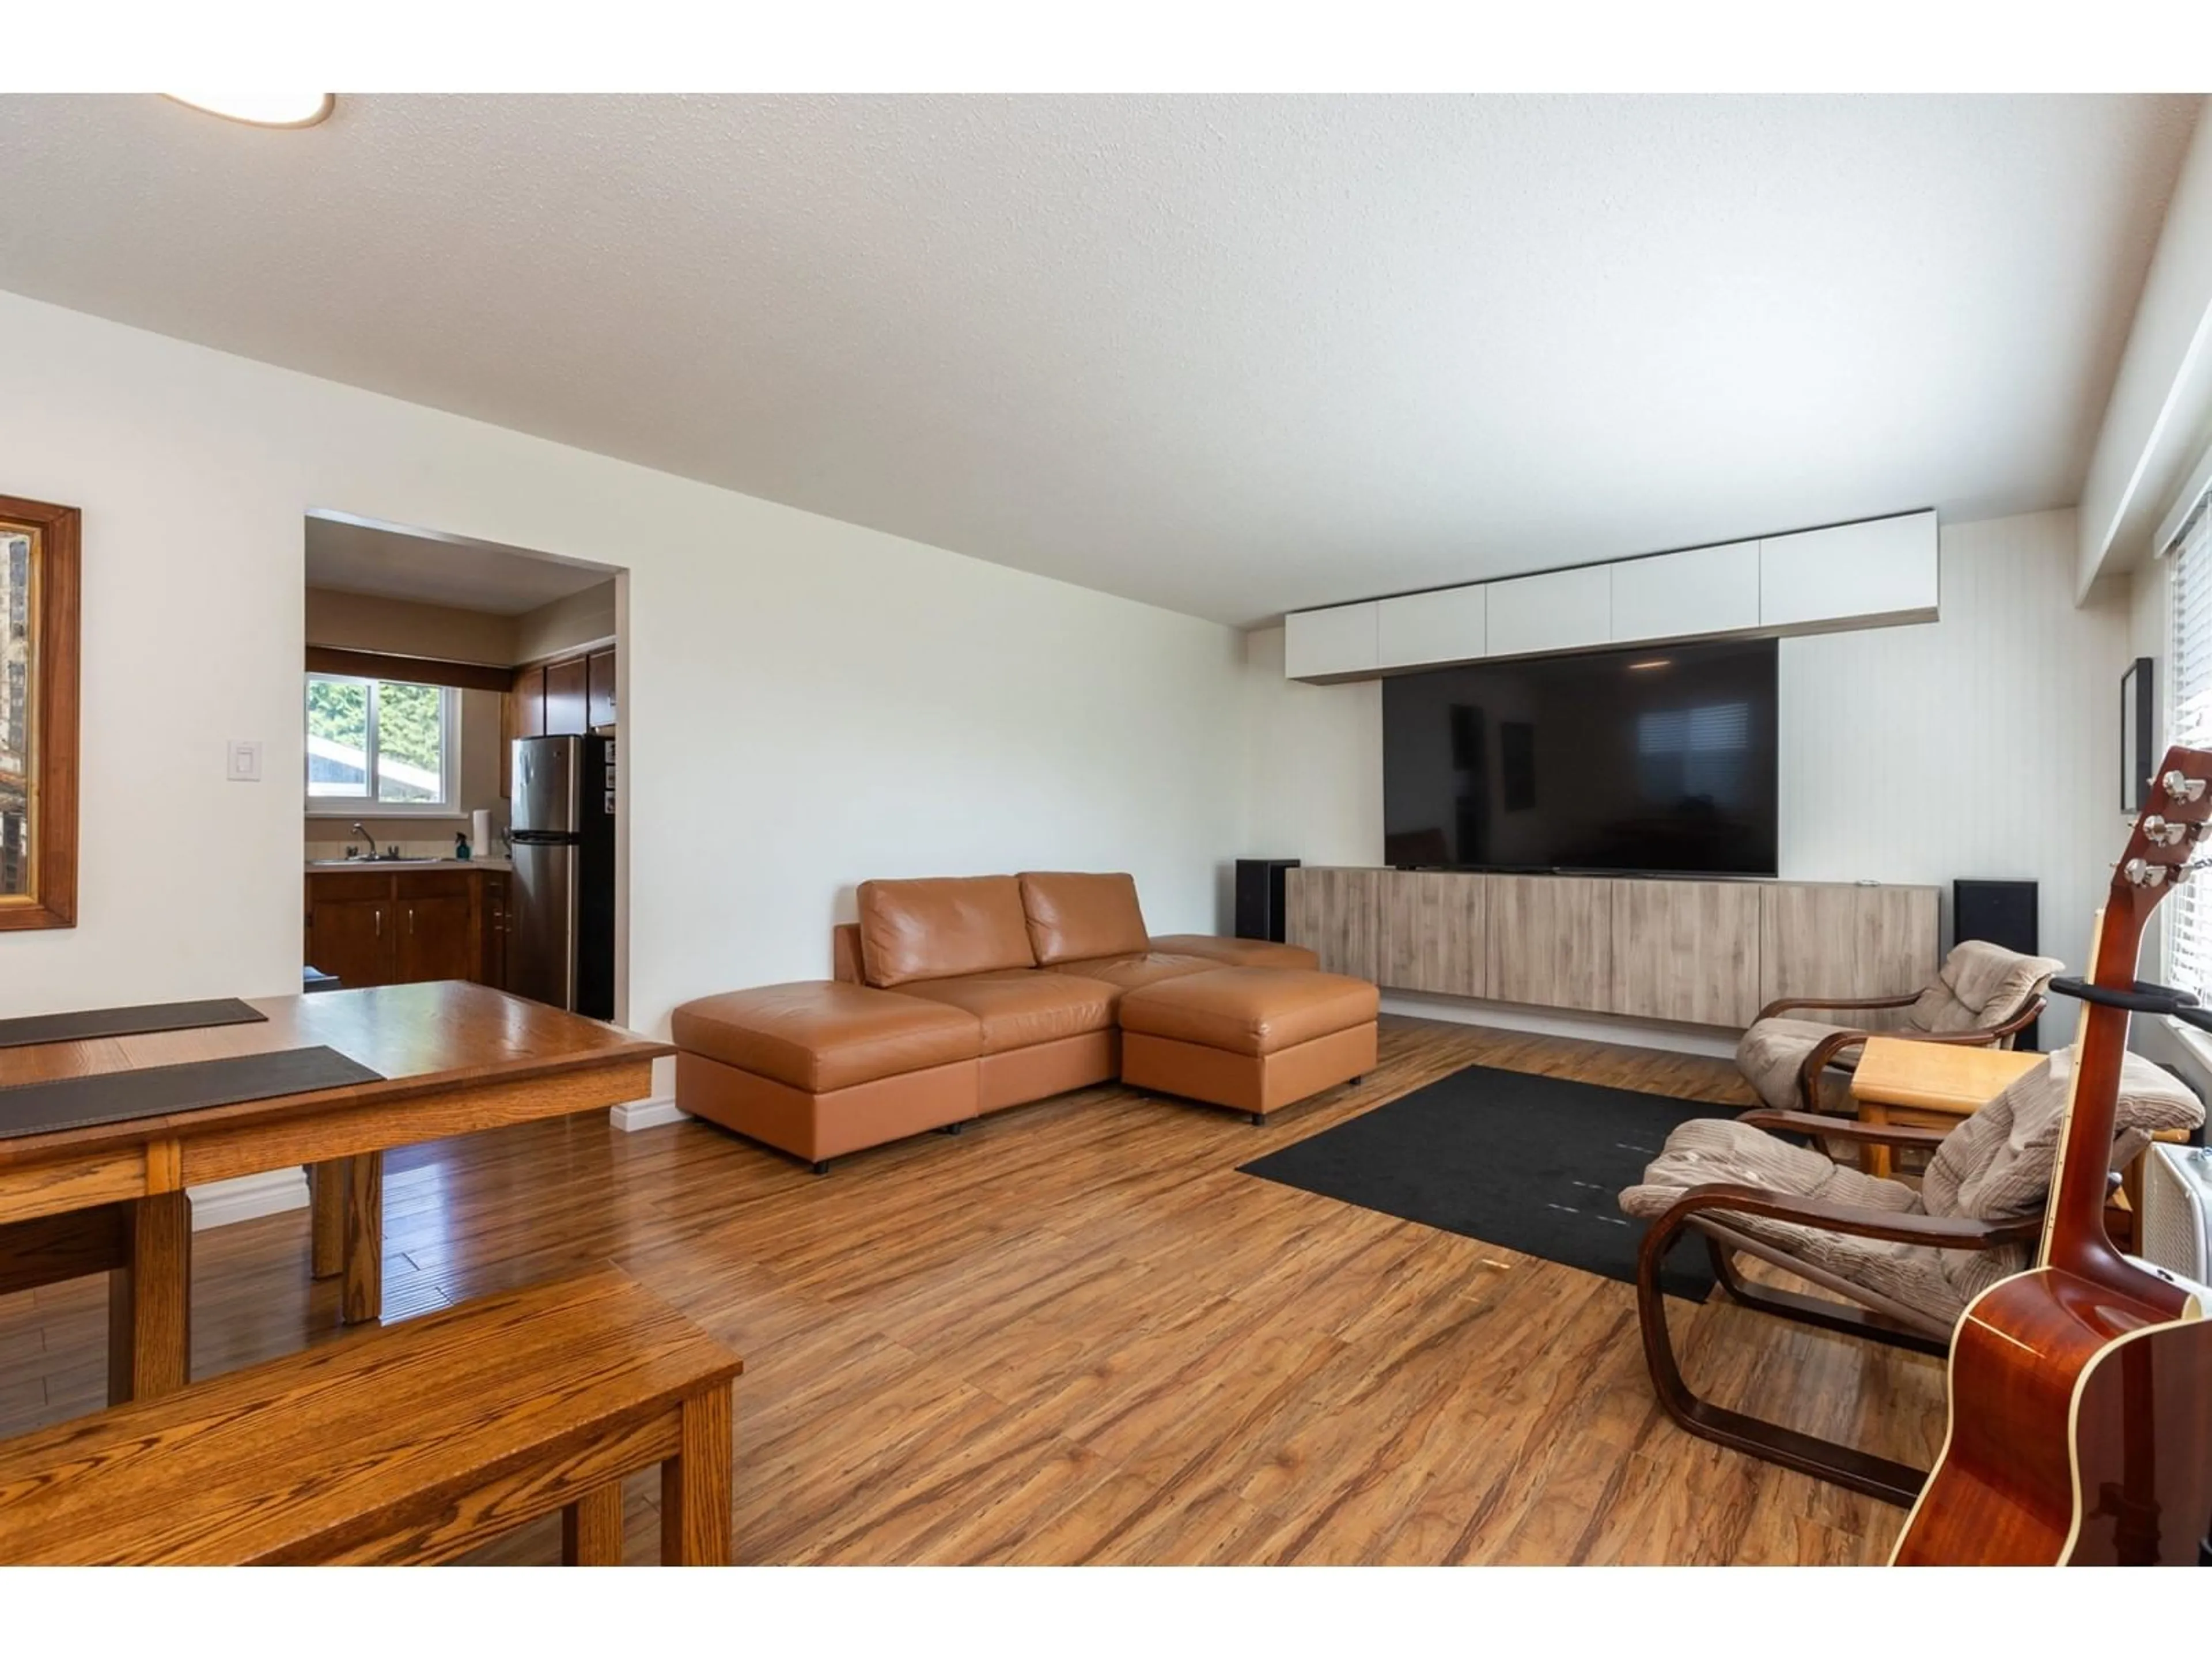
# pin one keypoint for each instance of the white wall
(805, 703)
(1314, 761)
(577, 619)
(1986, 744)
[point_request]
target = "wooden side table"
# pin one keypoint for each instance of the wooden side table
(1928, 1084)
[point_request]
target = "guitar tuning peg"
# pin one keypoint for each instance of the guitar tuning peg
(2179, 786)
(2144, 873)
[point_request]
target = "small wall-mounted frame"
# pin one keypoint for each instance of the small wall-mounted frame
(2138, 729)
(38, 586)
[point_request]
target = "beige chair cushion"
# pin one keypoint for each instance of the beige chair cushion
(1773, 1050)
(1995, 1166)
(1980, 985)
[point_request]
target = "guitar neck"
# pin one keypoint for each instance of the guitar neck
(2073, 1234)
(2159, 857)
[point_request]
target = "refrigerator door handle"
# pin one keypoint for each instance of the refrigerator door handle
(568, 956)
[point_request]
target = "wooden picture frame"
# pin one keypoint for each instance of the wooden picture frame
(41, 547)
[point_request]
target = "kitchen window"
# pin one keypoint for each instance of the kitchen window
(381, 748)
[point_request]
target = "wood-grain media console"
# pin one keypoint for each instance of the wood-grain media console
(1682, 951)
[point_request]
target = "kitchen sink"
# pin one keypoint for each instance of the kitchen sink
(323, 864)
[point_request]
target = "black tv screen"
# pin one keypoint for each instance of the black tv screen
(1659, 759)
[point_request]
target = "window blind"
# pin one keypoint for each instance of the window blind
(2188, 912)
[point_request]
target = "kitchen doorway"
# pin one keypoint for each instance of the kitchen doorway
(462, 795)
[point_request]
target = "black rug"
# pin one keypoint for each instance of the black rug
(1534, 1163)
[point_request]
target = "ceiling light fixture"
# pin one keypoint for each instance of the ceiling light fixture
(262, 109)
(1651, 662)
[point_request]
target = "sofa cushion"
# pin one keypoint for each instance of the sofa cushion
(942, 926)
(1072, 916)
(1020, 1007)
(817, 1035)
(1127, 973)
(1250, 1011)
(1236, 952)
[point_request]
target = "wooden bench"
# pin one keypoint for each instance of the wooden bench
(414, 1443)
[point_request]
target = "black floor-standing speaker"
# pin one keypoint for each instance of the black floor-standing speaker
(1259, 897)
(2003, 913)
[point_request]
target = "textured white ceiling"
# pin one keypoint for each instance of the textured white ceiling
(1229, 355)
(467, 575)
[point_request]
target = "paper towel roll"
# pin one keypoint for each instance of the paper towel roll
(480, 833)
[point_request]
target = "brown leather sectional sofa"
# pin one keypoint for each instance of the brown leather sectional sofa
(958, 996)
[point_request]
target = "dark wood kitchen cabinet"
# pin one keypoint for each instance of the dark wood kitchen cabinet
(568, 698)
(599, 678)
(403, 928)
(350, 926)
(492, 967)
(529, 696)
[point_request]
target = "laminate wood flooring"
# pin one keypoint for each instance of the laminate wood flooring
(1075, 1334)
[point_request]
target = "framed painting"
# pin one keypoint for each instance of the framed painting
(2138, 729)
(38, 585)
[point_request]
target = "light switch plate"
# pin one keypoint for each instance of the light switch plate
(244, 765)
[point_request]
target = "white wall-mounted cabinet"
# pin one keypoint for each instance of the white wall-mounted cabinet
(1678, 596)
(1868, 574)
(1331, 644)
(1558, 611)
(1418, 629)
(1883, 570)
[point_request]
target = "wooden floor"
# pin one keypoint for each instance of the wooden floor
(1075, 1334)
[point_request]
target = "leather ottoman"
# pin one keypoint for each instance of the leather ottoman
(818, 1068)
(1252, 1039)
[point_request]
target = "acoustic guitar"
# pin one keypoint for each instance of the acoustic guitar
(2081, 1390)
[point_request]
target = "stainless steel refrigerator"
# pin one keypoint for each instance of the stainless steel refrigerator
(561, 949)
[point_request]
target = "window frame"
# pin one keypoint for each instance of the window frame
(447, 805)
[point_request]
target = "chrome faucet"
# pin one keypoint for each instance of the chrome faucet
(359, 829)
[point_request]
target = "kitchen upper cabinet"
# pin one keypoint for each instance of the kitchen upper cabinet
(1679, 596)
(600, 688)
(530, 702)
(568, 698)
(1446, 626)
(1342, 640)
(1558, 611)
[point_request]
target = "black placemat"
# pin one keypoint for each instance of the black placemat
(77, 1102)
(125, 1022)
(1534, 1163)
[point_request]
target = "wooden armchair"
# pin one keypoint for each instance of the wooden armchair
(1837, 1047)
(1902, 1262)
(1983, 997)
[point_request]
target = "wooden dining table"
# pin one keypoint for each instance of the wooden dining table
(452, 1058)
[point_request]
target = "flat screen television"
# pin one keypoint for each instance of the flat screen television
(1657, 760)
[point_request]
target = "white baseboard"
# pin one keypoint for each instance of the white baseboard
(636, 1114)
(1542, 1021)
(242, 1198)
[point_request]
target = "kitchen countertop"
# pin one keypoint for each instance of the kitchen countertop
(316, 866)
